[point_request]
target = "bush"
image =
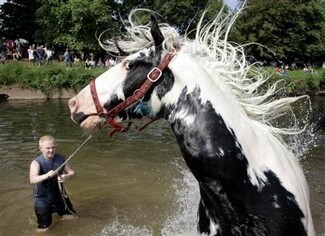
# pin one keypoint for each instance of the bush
(48, 78)
(10, 73)
(321, 84)
(298, 82)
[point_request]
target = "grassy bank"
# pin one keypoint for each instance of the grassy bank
(299, 82)
(54, 77)
(48, 78)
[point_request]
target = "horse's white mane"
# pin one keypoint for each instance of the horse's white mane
(223, 60)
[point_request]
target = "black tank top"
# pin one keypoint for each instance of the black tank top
(48, 189)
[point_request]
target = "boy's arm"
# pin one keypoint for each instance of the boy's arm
(35, 177)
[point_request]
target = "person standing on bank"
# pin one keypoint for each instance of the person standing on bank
(67, 58)
(31, 58)
(49, 195)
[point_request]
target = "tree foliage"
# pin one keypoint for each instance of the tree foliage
(72, 23)
(17, 19)
(290, 28)
(188, 12)
(182, 14)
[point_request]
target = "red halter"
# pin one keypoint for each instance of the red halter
(138, 94)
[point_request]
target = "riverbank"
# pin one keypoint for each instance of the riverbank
(44, 81)
(17, 93)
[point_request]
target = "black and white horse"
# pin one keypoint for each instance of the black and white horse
(250, 183)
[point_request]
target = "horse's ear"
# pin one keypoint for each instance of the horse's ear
(121, 52)
(156, 33)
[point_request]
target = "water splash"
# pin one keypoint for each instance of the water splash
(118, 229)
(301, 143)
(299, 118)
(184, 220)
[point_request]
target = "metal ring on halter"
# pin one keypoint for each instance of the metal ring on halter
(152, 70)
(136, 92)
(102, 121)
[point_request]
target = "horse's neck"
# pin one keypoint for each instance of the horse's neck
(217, 139)
(204, 114)
(200, 130)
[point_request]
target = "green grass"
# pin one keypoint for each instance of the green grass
(298, 82)
(50, 78)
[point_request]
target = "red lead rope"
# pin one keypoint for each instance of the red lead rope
(138, 94)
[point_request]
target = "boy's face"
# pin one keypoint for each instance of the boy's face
(48, 149)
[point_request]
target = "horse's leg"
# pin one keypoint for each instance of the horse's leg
(204, 221)
(207, 222)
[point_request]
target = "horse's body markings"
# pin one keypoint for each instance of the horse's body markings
(218, 173)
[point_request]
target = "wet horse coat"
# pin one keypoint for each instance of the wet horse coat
(250, 183)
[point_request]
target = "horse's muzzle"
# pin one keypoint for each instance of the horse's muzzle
(79, 117)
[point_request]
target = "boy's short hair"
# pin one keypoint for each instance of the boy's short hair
(46, 138)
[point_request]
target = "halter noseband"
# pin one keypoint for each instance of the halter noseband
(138, 94)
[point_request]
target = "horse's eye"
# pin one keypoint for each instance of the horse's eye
(130, 65)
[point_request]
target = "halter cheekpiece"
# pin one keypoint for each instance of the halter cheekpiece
(152, 77)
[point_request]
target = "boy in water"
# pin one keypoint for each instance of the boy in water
(49, 196)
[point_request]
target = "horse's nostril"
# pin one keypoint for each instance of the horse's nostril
(79, 117)
(72, 103)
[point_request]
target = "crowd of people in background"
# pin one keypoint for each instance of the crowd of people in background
(37, 55)
(41, 54)
(283, 69)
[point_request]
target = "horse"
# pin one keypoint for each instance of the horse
(249, 180)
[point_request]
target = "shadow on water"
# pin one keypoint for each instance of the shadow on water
(131, 184)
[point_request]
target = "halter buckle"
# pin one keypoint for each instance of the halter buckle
(154, 72)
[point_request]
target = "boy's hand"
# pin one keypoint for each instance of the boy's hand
(62, 178)
(51, 173)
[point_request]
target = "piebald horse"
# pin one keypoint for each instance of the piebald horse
(250, 182)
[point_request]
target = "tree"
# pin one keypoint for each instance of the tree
(17, 19)
(290, 28)
(73, 23)
(182, 14)
(188, 12)
(76, 24)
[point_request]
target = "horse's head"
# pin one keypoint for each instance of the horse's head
(123, 92)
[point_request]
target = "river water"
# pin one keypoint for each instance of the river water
(131, 184)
